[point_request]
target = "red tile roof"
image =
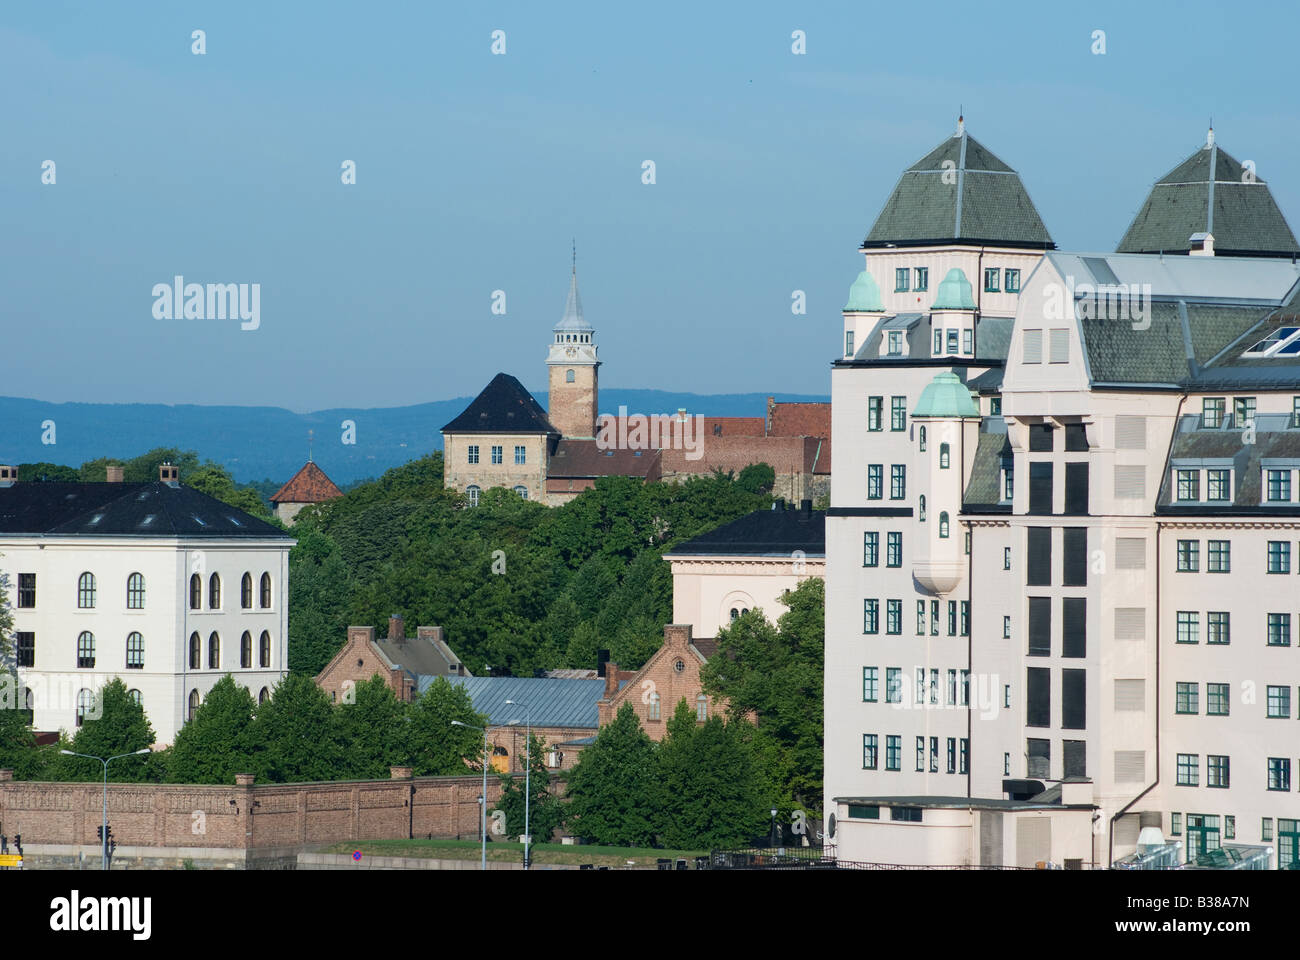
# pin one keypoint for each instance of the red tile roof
(308, 485)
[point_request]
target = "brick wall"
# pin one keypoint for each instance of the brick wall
(356, 663)
(660, 675)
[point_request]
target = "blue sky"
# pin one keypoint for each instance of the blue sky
(474, 171)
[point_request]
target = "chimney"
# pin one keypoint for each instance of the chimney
(169, 474)
(114, 473)
(677, 634)
(429, 634)
(611, 679)
(602, 659)
(8, 475)
(396, 630)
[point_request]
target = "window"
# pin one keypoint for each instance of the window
(1006, 558)
(1279, 629)
(952, 618)
(134, 652)
(472, 453)
(966, 548)
(701, 708)
(964, 689)
(894, 549)
(1279, 703)
(1279, 485)
(1217, 773)
(246, 650)
(1218, 484)
(214, 592)
(922, 279)
(214, 651)
(952, 689)
(870, 751)
(263, 695)
(870, 548)
(521, 492)
(654, 705)
(848, 343)
(1038, 697)
(875, 481)
(897, 481)
(1074, 627)
(26, 590)
(193, 706)
(1038, 569)
(934, 754)
(1040, 627)
(1189, 556)
(938, 341)
(1189, 484)
(934, 618)
(1074, 550)
(1189, 770)
(943, 525)
(967, 341)
(264, 658)
(1295, 411)
(952, 340)
(1279, 773)
(995, 406)
(895, 343)
(1189, 626)
(1011, 280)
(1243, 410)
(1175, 824)
(921, 434)
(875, 410)
(246, 591)
(196, 651)
(1220, 556)
(893, 685)
(920, 513)
(85, 704)
(1229, 826)
(893, 616)
(135, 592)
(920, 695)
(920, 617)
(1217, 697)
(568, 376)
(944, 459)
(496, 454)
(898, 413)
(521, 455)
(86, 591)
(965, 618)
(900, 279)
(1074, 686)
(920, 754)
(991, 277)
(870, 616)
(1074, 758)
(472, 493)
(1279, 556)
(1033, 346)
(893, 752)
(1212, 413)
(1040, 757)
(266, 591)
(870, 684)
(25, 648)
(135, 696)
(86, 649)
(1006, 628)
(952, 755)
(1187, 698)
(1040, 488)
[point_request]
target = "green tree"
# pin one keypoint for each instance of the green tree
(437, 747)
(39, 472)
(6, 625)
(757, 478)
(221, 739)
(114, 724)
(296, 729)
(545, 812)
(613, 790)
(371, 724)
(320, 592)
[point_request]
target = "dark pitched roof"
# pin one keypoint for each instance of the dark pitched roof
(552, 702)
(504, 406)
(308, 485)
(124, 509)
(959, 192)
(583, 458)
(1274, 439)
(419, 656)
(763, 533)
(983, 489)
(1210, 192)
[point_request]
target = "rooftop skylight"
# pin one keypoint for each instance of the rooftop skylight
(1281, 342)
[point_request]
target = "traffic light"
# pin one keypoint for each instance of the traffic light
(18, 843)
(99, 833)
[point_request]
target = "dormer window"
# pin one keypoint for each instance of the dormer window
(1218, 484)
(1189, 485)
(895, 342)
(1212, 409)
(952, 341)
(968, 341)
(1278, 485)
(1008, 480)
(1243, 411)
(1213, 478)
(900, 280)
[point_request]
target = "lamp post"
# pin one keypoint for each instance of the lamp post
(482, 799)
(528, 773)
(774, 826)
(105, 761)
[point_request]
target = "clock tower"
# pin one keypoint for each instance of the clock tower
(573, 369)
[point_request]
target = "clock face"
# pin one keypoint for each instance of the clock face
(571, 351)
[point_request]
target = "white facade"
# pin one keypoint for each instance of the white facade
(707, 589)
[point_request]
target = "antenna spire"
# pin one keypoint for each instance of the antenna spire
(575, 257)
(309, 440)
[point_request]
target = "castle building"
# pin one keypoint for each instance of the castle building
(1079, 570)
(308, 486)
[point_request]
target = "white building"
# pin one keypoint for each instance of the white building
(1094, 497)
(153, 583)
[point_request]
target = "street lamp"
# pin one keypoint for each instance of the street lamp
(528, 773)
(104, 827)
(483, 798)
(774, 826)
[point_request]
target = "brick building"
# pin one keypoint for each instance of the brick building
(672, 674)
(306, 487)
(403, 662)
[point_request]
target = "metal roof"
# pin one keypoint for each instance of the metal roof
(552, 701)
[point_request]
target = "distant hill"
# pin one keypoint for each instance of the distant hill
(257, 443)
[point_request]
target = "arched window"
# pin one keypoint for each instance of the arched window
(735, 614)
(196, 592)
(266, 591)
(196, 651)
(246, 650)
(522, 491)
(943, 525)
(654, 706)
(922, 435)
(135, 592)
(264, 653)
(246, 591)
(568, 376)
(134, 652)
(86, 591)
(29, 706)
(701, 708)
(943, 456)
(214, 651)
(472, 492)
(86, 649)
(85, 702)
(921, 512)
(263, 695)
(136, 697)
(194, 705)
(214, 592)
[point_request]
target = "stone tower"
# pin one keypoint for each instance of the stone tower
(573, 389)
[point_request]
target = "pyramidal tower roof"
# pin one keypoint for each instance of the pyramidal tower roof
(1210, 192)
(572, 319)
(959, 192)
